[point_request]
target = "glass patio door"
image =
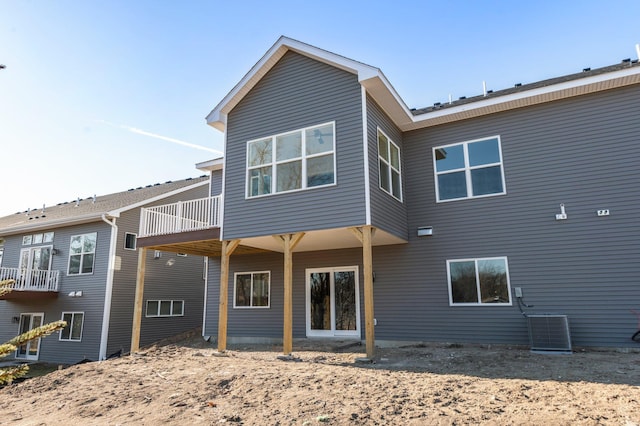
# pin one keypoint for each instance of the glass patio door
(35, 263)
(333, 307)
(30, 349)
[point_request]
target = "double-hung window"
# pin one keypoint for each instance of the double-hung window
(291, 161)
(389, 162)
(251, 289)
(469, 169)
(82, 254)
(479, 281)
(72, 332)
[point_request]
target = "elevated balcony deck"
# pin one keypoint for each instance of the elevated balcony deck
(191, 227)
(30, 283)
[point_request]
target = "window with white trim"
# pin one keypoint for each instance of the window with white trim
(46, 237)
(82, 253)
(292, 161)
(165, 308)
(252, 289)
(469, 170)
(482, 281)
(72, 332)
(130, 240)
(389, 166)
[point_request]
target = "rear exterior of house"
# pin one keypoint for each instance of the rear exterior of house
(369, 219)
(69, 263)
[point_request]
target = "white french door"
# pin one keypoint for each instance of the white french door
(30, 349)
(35, 265)
(332, 302)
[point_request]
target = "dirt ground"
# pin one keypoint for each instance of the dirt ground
(189, 383)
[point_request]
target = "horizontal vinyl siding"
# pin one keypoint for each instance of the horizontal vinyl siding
(91, 302)
(216, 182)
(581, 152)
(269, 322)
(296, 93)
(170, 277)
(386, 211)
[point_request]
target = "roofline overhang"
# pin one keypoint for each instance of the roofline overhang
(93, 216)
(552, 92)
(381, 90)
(211, 165)
(78, 220)
(367, 75)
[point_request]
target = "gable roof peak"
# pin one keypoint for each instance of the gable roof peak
(366, 73)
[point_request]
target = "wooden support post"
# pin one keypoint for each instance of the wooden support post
(137, 306)
(365, 235)
(290, 241)
(227, 248)
(367, 259)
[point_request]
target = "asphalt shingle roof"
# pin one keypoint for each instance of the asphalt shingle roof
(88, 207)
(587, 72)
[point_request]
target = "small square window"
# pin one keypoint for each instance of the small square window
(26, 240)
(251, 289)
(130, 241)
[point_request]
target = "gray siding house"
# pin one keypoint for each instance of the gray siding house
(77, 261)
(344, 214)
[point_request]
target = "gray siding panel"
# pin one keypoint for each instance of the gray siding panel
(170, 277)
(386, 211)
(296, 93)
(216, 182)
(91, 302)
(582, 152)
(269, 322)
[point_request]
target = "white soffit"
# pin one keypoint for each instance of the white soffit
(327, 239)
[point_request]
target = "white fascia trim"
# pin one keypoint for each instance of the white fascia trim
(211, 165)
(91, 217)
(117, 212)
(365, 148)
(218, 116)
(528, 94)
(108, 293)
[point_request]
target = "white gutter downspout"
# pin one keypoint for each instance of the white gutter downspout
(106, 315)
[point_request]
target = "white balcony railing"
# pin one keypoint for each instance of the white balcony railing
(183, 216)
(31, 280)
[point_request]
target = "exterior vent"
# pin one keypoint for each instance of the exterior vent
(549, 333)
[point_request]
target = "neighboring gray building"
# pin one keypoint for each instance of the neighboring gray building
(77, 261)
(345, 214)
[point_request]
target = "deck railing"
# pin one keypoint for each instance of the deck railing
(183, 216)
(31, 280)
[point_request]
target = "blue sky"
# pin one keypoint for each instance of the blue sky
(100, 97)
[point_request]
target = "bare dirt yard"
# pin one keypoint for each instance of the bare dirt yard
(189, 383)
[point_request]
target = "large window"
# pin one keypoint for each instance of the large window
(469, 169)
(165, 308)
(389, 162)
(73, 330)
(251, 289)
(291, 161)
(82, 253)
(479, 281)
